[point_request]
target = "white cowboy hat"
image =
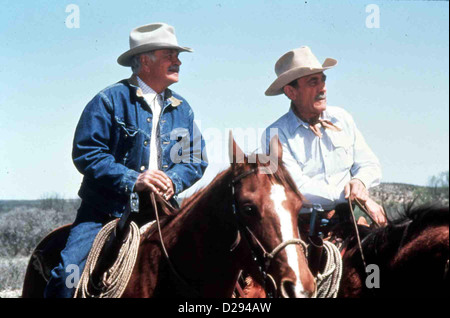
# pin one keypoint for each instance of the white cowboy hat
(295, 64)
(150, 37)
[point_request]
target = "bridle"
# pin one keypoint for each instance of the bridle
(260, 256)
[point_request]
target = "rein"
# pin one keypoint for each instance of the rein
(361, 206)
(355, 225)
(166, 254)
(261, 257)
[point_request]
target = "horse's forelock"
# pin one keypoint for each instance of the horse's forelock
(278, 174)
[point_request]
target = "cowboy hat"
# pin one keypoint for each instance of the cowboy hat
(150, 37)
(295, 64)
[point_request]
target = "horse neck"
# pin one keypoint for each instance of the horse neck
(210, 212)
(202, 235)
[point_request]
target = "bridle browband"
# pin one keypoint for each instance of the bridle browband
(260, 256)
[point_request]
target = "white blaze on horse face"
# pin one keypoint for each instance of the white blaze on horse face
(278, 196)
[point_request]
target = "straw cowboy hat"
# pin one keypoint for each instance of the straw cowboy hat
(155, 36)
(295, 64)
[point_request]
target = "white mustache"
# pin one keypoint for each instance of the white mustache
(321, 96)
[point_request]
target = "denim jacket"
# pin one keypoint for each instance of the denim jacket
(111, 146)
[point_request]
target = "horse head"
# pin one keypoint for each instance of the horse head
(266, 205)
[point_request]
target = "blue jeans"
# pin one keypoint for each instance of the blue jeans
(65, 276)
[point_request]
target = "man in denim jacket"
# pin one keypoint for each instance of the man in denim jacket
(136, 135)
(323, 150)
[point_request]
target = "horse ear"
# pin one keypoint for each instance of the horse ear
(276, 148)
(235, 153)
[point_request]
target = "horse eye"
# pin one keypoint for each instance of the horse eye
(249, 209)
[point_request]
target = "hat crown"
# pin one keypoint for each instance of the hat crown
(153, 33)
(151, 37)
(295, 64)
(298, 58)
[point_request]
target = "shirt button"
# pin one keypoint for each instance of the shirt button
(142, 168)
(149, 119)
(165, 166)
(166, 142)
(146, 143)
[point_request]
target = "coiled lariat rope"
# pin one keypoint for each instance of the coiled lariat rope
(115, 280)
(328, 282)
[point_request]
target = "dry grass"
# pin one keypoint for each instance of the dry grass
(12, 274)
(21, 229)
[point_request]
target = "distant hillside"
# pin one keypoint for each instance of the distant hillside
(401, 194)
(7, 205)
(48, 203)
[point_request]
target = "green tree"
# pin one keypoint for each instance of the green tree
(437, 190)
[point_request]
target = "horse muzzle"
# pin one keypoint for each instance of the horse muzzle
(288, 290)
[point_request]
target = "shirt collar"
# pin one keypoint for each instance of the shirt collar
(169, 98)
(294, 122)
(147, 90)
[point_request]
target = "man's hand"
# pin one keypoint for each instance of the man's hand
(170, 191)
(355, 189)
(155, 181)
(376, 212)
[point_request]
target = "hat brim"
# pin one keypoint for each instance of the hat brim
(276, 88)
(125, 58)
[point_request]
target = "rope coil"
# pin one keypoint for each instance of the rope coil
(328, 282)
(115, 280)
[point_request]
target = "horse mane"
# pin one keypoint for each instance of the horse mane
(222, 179)
(412, 220)
(424, 214)
(217, 182)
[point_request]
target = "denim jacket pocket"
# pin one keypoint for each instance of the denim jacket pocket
(128, 130)
(127, 139)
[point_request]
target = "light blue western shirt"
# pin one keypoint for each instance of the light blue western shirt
(321, 167)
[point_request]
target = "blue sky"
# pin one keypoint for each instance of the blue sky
(392, 79)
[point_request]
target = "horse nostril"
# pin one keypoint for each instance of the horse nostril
(288, 289)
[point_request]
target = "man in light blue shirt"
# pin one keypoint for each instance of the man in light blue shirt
(323, 150)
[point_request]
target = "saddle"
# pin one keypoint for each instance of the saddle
(47, 254)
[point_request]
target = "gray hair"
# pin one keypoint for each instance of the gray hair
(136, 61)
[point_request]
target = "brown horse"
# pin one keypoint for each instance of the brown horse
(411, 255)
(246, 219)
